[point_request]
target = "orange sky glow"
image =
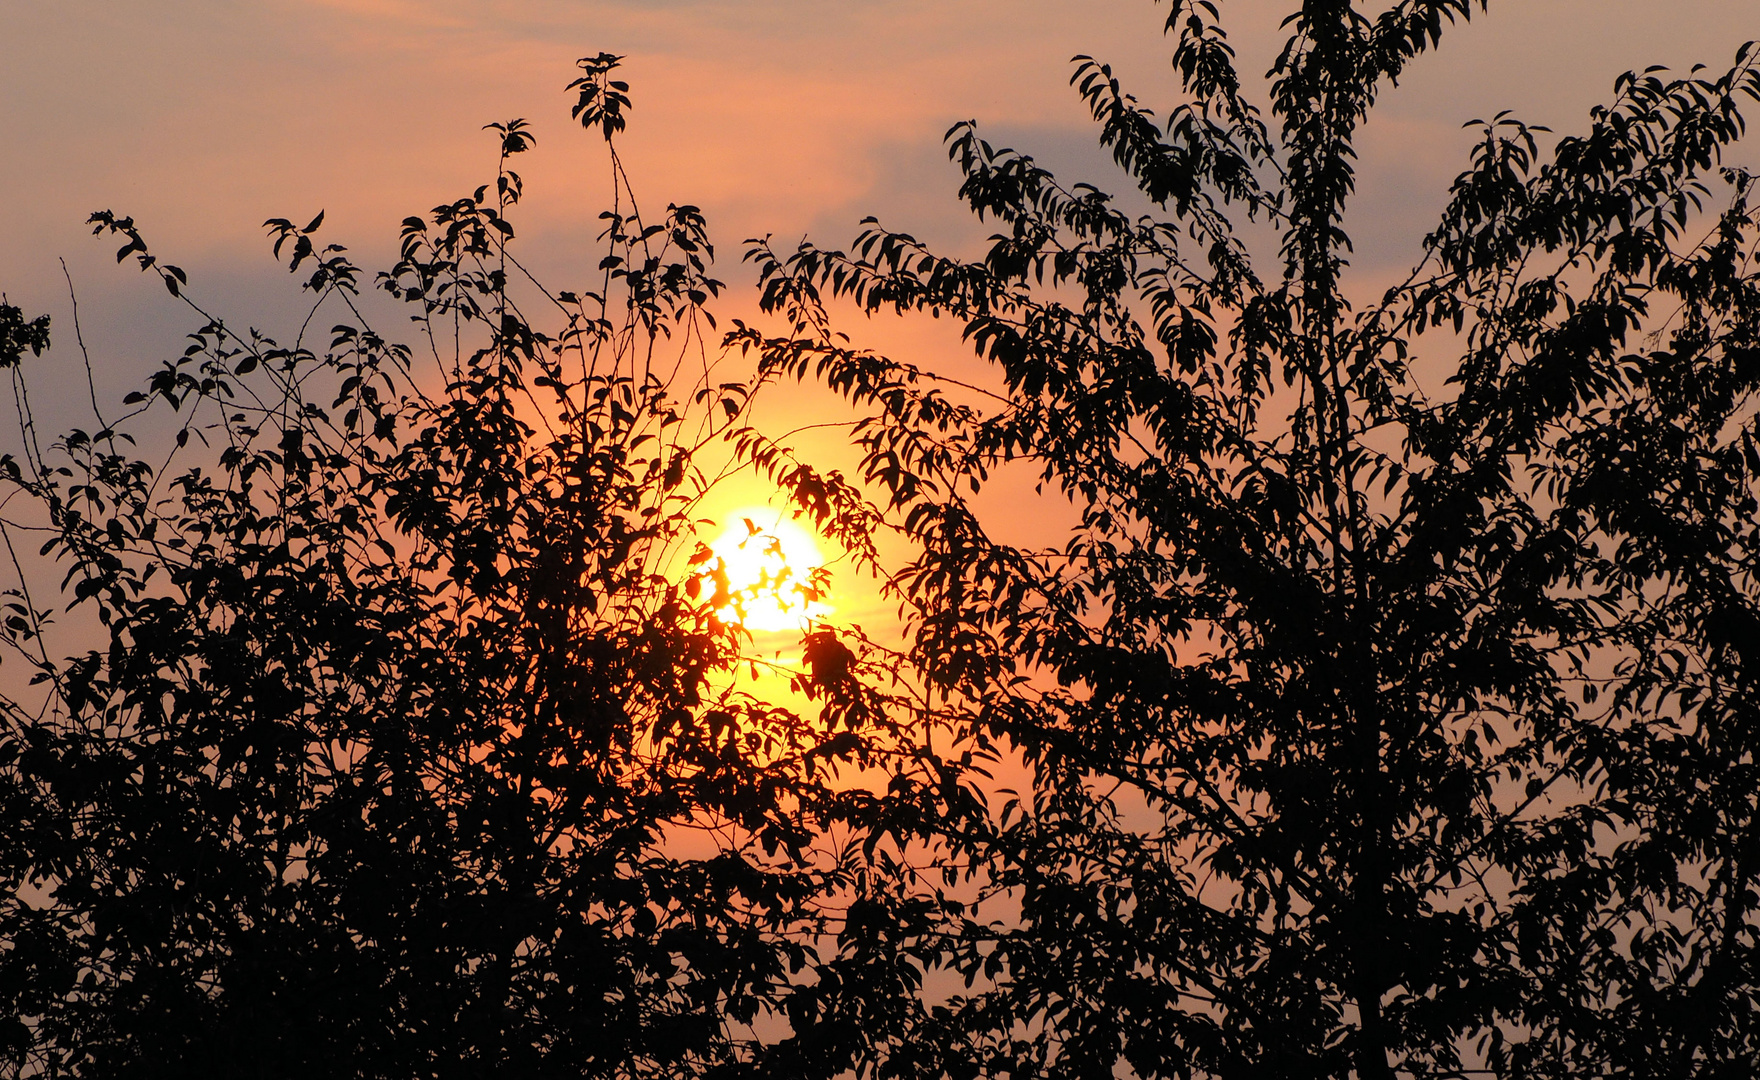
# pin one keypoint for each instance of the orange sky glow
(791, 118)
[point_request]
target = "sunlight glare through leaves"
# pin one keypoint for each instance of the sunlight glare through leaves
(770, 573)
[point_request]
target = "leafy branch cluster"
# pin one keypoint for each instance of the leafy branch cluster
(1345, 760)
(413, 745)
(1387, 711)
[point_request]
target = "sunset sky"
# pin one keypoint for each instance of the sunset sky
(201, 118)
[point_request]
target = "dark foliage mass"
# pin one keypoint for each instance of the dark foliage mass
(410, 681)
(1386, 712)
(1388, 709)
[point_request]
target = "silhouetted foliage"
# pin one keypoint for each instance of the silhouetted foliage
(1388, 710)
(408, 742)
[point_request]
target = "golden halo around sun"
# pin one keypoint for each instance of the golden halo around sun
(769, 561)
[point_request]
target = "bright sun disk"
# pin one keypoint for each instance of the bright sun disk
(769, 568)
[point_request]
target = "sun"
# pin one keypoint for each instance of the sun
(769, 563)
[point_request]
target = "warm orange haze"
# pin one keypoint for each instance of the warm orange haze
(781, 117)
(783, 540)
(202, 118)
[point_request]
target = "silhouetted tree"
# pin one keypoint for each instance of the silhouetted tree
(408, 743)
(1385, 714)
(1390, 711)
